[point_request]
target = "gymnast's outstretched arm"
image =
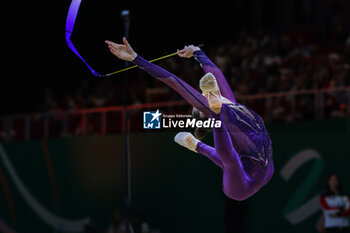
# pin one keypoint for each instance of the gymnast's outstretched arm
(191, 95)
(209, 67)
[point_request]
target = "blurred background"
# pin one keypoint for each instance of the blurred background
(61, 129)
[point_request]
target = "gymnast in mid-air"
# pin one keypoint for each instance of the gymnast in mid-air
(243, 149)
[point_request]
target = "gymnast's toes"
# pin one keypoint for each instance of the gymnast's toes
(187, 140)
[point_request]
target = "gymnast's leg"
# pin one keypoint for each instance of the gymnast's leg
(237, 184)
(187, 140)
(209, 152)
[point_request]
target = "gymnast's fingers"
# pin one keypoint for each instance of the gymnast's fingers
(112, 48)
(126, 42)
(109, 42)
(115, 45)
(114, 51)
(181, 51)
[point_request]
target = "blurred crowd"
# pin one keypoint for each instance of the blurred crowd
(263, 63)
(291, 62)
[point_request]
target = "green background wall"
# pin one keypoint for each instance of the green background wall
(177, 190)
(267, 209)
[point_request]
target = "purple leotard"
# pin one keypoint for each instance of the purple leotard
(243, 147)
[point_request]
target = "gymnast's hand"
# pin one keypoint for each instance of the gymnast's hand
(122, 51)
(187, 51)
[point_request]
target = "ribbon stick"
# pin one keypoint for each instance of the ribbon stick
(157, 59)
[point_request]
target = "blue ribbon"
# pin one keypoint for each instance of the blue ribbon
(71, 17)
